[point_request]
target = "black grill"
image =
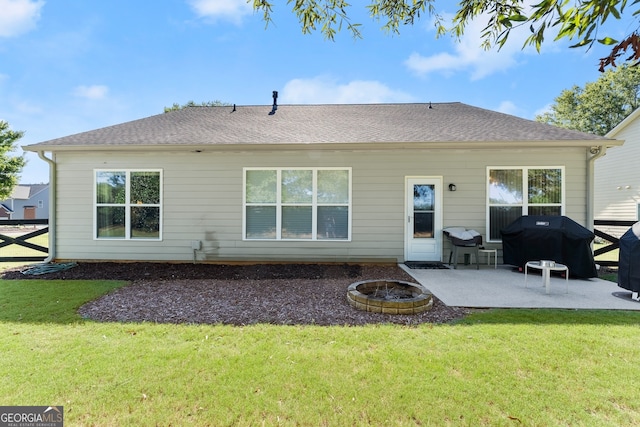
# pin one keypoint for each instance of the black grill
(554, 238)
(629, 259)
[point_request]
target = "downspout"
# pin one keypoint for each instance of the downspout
(596, 152)
(52, 207)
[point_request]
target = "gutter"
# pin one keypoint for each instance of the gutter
(235, 146)
(596, 152)
(52, 207)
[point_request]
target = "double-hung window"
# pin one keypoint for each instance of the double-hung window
(516, 191)
(297, 203)
(128, 204)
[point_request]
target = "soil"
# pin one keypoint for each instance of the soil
(292, 294)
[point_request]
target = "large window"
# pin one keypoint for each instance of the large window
(297, 204)
(513, 192)
(127, 204)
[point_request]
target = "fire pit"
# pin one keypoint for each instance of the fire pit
(389, 297)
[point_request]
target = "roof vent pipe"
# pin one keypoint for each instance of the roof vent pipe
(275, 103)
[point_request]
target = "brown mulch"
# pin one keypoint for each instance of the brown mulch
(292, 294)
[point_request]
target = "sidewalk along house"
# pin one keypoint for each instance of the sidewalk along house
(309, 183)
(617, 176)
(27, 201)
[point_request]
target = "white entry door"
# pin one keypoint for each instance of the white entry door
(423, 241)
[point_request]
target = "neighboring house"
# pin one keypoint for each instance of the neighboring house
(617, 174)
(27, 201)
(313, 183)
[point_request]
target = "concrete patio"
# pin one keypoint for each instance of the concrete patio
(504, 287)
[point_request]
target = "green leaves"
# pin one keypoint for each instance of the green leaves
(599, 106)
(329, 16)
(10, 166)
(578, 20)
(177, 106)
(607, 41)
(518, 18)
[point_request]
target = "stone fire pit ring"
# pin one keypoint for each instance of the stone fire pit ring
(389, 297)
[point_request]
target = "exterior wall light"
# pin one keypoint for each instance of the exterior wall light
(452, 187)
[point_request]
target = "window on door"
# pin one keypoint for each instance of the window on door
(516, 191)
(423, 211)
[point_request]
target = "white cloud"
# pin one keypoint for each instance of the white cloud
(18, 16)
(469, 56)
(28, 108)
(543, 110)
(324, 90)
(231, 10)
(91, 92)
(508, 107)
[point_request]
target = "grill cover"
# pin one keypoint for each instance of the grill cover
(629, 259)
(555, 238)
(459, 236)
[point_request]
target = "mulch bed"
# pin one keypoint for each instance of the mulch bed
(288, 294)
(171, 271)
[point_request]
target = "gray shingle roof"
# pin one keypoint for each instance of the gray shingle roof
(319, 124)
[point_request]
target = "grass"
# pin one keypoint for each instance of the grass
(17, 250)
(22, 265)
(607, 256)
(496, 368)
(611, 277)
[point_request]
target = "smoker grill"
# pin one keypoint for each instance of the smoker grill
(462, 239)
(629, 260)
(554, 238)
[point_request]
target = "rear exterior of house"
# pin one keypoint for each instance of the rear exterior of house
(337, 183)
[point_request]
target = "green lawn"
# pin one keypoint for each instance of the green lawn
(497, 368)
(607, 256)
(15, 250)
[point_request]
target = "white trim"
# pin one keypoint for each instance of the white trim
(314, 203)
(525, 193)
(623, 124)
(437, 181)
(127, 205)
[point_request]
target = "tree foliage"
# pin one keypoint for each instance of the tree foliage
(578, 20)
(10, 166)
(598, 106)
(177, 106)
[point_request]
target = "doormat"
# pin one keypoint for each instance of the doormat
(423, 265)
(624, 295)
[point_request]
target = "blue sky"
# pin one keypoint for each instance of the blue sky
(69, 66)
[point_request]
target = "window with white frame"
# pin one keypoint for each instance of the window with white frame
(516, 191)
(128, 204)
(297, 203)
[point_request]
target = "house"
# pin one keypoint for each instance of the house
(27, 201)
(617, 175)
(309, 183)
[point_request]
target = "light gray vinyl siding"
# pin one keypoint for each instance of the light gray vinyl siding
(616, 171)
(202, 200)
